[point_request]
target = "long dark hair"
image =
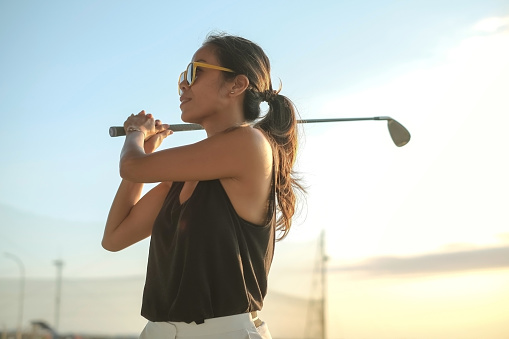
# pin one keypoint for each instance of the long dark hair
(280, 122)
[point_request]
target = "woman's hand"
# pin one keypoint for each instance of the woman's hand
(141, 122)
(153, 130)
(154, 141)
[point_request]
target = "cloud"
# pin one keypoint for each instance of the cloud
(432, 263)
(491, 25)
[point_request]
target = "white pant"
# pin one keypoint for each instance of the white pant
(238, 326)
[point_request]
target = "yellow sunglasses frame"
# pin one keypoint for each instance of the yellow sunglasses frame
(197, 64)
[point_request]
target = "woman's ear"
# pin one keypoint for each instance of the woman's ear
(240, 84)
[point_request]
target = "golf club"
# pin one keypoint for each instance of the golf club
(399, 134)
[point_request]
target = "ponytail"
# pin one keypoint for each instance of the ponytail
(280, 126)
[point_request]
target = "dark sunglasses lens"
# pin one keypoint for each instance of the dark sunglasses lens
(190, 74)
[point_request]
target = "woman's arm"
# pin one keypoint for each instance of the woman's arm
(240, 153)
(130, 218)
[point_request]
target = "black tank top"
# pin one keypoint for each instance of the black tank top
(204, 260)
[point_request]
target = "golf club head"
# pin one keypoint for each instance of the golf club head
(398, 132)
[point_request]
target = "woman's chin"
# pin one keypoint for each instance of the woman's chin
(187, 118)
(184, 117)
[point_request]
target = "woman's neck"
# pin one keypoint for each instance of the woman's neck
(223, 122)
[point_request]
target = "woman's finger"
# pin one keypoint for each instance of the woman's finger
(161, 127)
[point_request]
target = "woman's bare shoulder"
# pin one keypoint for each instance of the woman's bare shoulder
(250, 136)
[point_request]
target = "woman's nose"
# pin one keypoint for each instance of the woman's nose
(183, 86)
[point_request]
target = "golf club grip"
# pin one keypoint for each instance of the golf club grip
(118, 131)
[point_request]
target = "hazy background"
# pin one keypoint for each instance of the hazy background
(418, 236)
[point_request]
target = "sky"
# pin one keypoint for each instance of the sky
(413, 227)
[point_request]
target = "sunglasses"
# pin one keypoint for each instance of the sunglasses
(189, 75)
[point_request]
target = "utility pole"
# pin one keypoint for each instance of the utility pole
(21, 291)
(316, 324)
(324, 259)
(59, 264)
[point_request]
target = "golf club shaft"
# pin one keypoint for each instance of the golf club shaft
(117, 131)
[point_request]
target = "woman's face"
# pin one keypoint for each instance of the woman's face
(209, 92)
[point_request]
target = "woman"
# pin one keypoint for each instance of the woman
(212, 218)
